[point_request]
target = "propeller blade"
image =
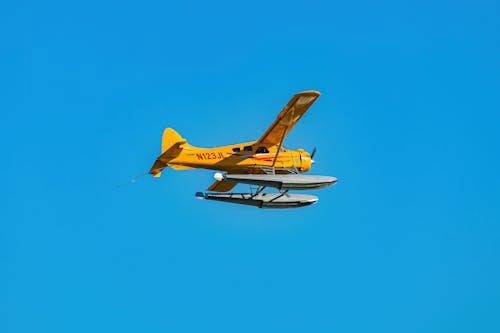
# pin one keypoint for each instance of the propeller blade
(313, 153)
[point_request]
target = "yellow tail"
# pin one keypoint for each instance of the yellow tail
(170, 138)
(171, 142)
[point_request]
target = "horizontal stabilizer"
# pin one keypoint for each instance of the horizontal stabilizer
(162, 161)
(221, 186)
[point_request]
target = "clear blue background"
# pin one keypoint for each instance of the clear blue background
(408, 120)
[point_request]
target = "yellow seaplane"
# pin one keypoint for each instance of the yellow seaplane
(262, 163)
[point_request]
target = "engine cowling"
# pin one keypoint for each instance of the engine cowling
(305, 161)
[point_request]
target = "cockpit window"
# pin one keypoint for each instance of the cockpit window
(247, 148)
(236, 149)
(283, 149)
(262, 150)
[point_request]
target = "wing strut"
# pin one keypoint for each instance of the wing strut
(280, 145)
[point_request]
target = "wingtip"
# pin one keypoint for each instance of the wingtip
(309, 92)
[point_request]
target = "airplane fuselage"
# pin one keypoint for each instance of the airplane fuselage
(247, 157)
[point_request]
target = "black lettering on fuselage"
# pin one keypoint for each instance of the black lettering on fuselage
(210, 156)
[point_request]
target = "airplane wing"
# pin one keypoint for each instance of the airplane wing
(288, 117)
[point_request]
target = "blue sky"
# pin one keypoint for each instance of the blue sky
(407, 241)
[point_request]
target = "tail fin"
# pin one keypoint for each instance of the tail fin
(171, 143)
(170, 137)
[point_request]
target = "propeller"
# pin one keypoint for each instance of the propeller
(312, 154)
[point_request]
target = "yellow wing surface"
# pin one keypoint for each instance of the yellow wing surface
(288, 117)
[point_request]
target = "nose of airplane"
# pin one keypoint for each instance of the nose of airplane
(306, 160)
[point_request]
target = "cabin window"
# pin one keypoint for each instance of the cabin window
(247, 148)
(262, 150)
(236, 149)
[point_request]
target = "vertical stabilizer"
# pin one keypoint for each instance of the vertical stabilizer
(171, 142)
(170, 137)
